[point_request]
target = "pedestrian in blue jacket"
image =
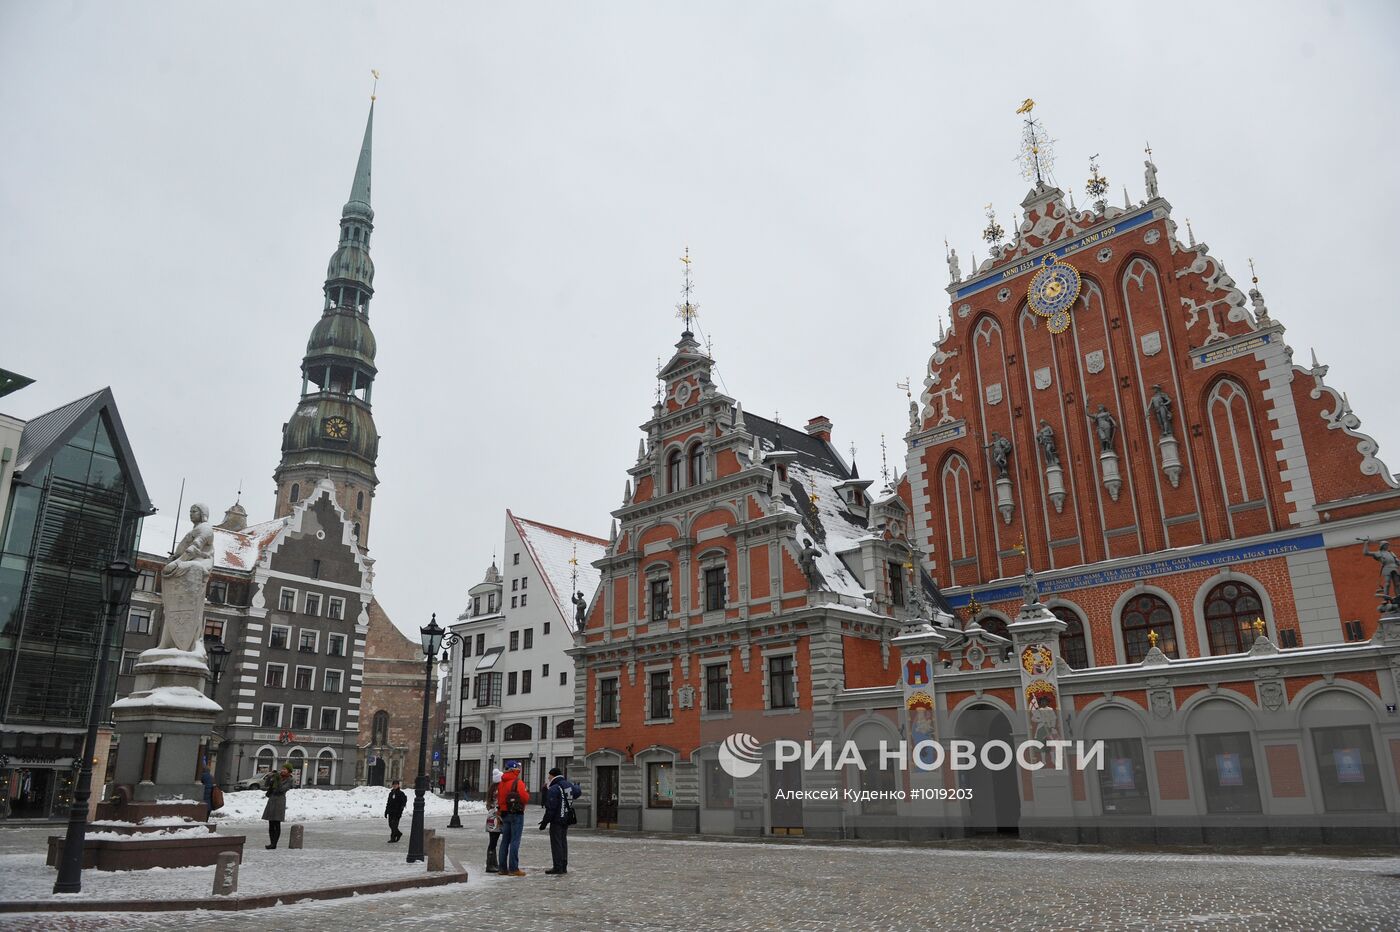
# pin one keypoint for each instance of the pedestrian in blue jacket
(559, 798)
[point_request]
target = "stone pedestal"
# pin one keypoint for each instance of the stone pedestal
(297, 836)
(437, 854)
(1170, 459)
(226, 873)
(162, 724)
(1055, 486)
(1108, 473)
(1004, 503)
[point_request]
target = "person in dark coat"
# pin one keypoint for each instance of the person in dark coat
(277, 784)
(393, 811)
(493, 822)
(512, 823)
(559, 796)
(207, 779)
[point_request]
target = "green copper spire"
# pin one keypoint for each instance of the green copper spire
(358, 205)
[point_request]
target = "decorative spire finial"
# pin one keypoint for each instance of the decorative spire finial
(1152, 638)
(1097, 185)
(1190, 234)
(687, 309)
(1253, 275)
(573, 562)
(374, 91)
(1037, 149)
(993, 232)
(884, 463)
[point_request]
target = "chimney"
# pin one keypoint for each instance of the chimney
(820, 427)
(235, 519)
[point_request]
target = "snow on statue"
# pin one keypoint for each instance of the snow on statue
(183, 582)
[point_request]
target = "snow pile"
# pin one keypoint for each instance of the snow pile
(163, 834)
(318, 805)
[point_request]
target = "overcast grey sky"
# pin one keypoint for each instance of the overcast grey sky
(173, 174)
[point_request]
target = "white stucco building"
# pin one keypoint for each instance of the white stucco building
(510, 692)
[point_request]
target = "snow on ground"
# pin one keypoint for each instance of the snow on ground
(318, 805)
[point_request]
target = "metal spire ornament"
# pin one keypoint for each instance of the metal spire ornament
(573, 562)
(1097, 185)
(687, 310)
(993, 232)
(1037, 156)
(884, 464)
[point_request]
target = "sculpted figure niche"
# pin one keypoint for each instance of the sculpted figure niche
(183, 581)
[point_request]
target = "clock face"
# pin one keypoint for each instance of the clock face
(1053, 292)
(337, 428)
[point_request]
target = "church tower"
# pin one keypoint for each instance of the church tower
(332, 434)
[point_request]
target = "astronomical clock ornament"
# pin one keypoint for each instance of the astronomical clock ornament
(337, 428)
(1053, 291)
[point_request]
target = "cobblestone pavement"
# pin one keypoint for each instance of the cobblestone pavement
(644, 883)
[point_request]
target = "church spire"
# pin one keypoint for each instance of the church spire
(358, 205)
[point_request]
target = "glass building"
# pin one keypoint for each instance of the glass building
(74, 503)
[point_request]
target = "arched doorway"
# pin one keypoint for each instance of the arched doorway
(995, 806)
(376, 772)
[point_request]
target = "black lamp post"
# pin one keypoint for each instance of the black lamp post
(456, 821)
(433, 641)
(118, 579)
(218, 656)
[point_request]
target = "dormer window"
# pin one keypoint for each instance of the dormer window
(857, 498)
(673, 471)
(782, 472)
(696, 459)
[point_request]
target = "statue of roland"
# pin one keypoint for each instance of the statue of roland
(182, 586)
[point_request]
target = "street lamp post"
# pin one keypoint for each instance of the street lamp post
(118, 579)
(433, 641)
(218, 656)
(456, 821)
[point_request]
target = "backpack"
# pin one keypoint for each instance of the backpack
(566, 807)
(514, 804)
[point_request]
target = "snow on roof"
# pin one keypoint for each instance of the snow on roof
(552, 548)
(831, 528)
(237, 551)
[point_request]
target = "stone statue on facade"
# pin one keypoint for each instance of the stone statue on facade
(1046, 438)
(1151, 174)
(954, 273)
(1389, 588)
(1105, 426)
(580, 609)
(183, 581)
(1160, 405)
(807, 562)
(1000, 449)
(1030, 589)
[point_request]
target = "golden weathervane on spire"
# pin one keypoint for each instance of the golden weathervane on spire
(687, 309)
(1027, 106)
(1036, 156)
(374, 91)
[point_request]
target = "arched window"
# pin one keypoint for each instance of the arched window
(295, 495)
(1142, 615)
(267, 761)
(518, 732)
(673, 471)
(564, 729)
(359, 501)
(696, 464)
(297, 758)
(325, 768)
(357, 530)
(958, 517)
(994, 625)
(469, 735)
(1231, 609)
(379, 730)
(1072, 646)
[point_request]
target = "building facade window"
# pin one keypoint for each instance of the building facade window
(128, 666)
(279, 636)
(515, 640)
(564, 728)
(510, 683)
(717, 688)
(660, 599)
(469, 735)
(695, 473)
(287, 600)
(1144, 614)
(719, 786)
(379, 728)
(529, 640)
(1347, 769)
(330, 718)
(138, 623)
(271, 715)
(332, 681)
(782, 684)
(659, 695)
(896, 575)
(1123, 786)
(1231, 609)
(213, 629)
(335, 608)
(275, 676)
(714, 589)
(607, 701)
(525, 677)
(335, 645)
(1227, 772)
(305, 678)
(1073, 648)
(673, 471)
(295, 495)
(218, 591)
(301, 718)
(517, 731)
(563, 678)
(480, 644)
(308, 640)
(660, 784)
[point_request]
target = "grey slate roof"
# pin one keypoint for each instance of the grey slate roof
(810, 451)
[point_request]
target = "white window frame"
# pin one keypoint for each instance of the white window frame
(298, 670)
(315, 640)
(598, 699)
(704, 691)
(286, 628)
(267, 669)
(263, 718)
(281, 597)
(335, 608)
(320, 726)
(344, 645)
(306, 604)
(291, 717)
(143, 612)
(325, 674)
(670, 694)
(121, 664)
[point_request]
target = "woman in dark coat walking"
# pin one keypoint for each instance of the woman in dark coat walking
(275, 811)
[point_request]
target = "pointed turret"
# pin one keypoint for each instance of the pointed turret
(359, 203)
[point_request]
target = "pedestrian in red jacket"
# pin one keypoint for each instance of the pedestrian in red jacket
(511, 799)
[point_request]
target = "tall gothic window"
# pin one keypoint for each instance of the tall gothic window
(696, 467)
(673, 471)
(295, 495)
(1231, 609)
(379, 731)
(1143, 615)
(1072, 645)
